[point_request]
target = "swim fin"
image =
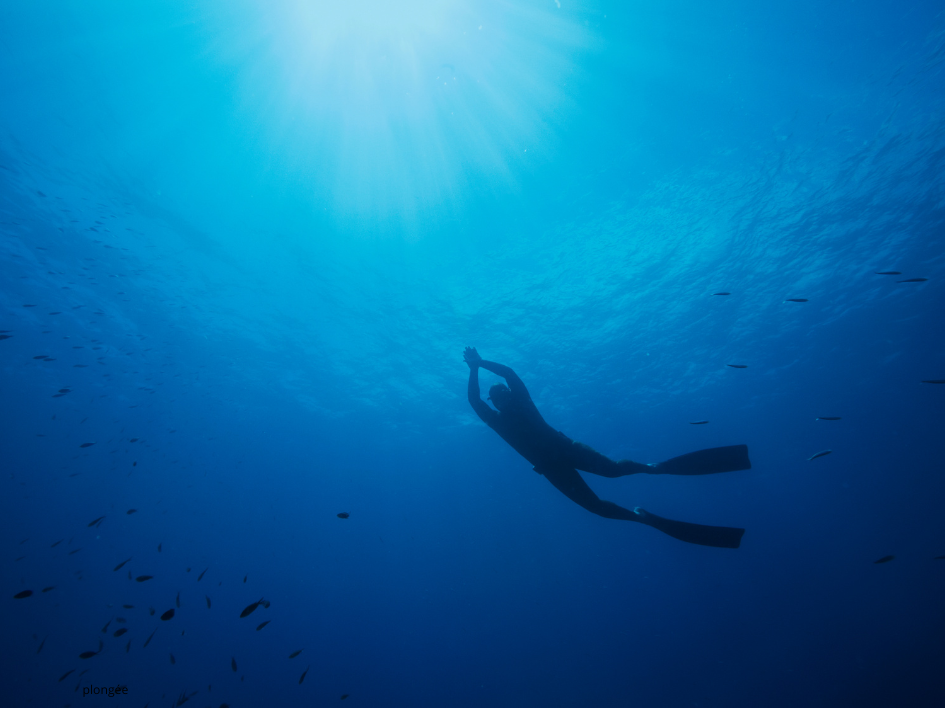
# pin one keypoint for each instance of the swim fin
(711, 461)
(717, 536)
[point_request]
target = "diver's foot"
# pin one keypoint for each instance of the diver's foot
(630, 467)
(640, 512)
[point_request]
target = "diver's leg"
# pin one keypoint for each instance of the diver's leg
(711, 461)
(573, 486)
(586, 458)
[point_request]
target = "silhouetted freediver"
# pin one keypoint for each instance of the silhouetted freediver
(558, 458)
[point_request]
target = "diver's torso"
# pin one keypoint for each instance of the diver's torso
(522, 427)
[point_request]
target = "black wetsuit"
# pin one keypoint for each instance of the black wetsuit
(557, 457)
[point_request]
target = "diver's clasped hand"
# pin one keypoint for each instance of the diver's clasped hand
(471, 357)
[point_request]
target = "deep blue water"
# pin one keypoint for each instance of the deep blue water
(252, 240)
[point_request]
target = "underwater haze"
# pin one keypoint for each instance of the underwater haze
(244, 245)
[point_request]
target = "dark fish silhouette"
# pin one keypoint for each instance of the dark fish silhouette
(41, 644)
(250, 609)
(101, 518)
(200, 577)
(168, 615)
(56, 543)
(23, 593)
(912, 280)
(343, 515)
(302, 677)
(263, 624)
(128, 647)
(177, 600)
(63, 677)
(120, 631)
(86, 445)
(131, 511)
(42, 356)
(828, 417)
(233, 663)
(796, 299)
(72, 553)
(105, 628)
(151, 611)
(159, 545)
(738, 366)
(128, 607)
(120, 565)
(721, 293)
(344, 695)
(142, 578)
(90, 654)
(939, 558)
(173, 661)
(888, 272)
(698, 422)
(133, 440)
(244, 578)
(5, 336)
(148, 641)
(208, 601)
(884, 559)
(819, 454)
(295, 653)
(935, 381)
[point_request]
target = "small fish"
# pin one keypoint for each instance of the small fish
(151, 611)
(263, 625)
(105, 628)
(63, 677)
(87, 445)
(133, 440)
(65, 390)
(128, 607)
(56, 543)
(913, 280)
(200, 577)
(159, 545)
(129, 575)
(888, 272)
(120, 565)
(42, 356)
(142, 578)
(90, 654)
(23, 593)
(233, 663)
(934, 381)
(738, 366)
(698, 422)
(72, 553)
(131, 511)
(5, 336)
(249, 609)
(828, 417)
(295, 653)
(120, 631)
(168, 615)
(208, 601)
(796, 299)
(721, 293)
(41, 644)
(344, 695)
(149, 639)
(101, 518)
(343, 515)
(128, 647)
(939, 558)
(51, 587)
(822, 453)
(884, 559)
(302, 677)
(173, 661)
(244, 578)
(177, 601)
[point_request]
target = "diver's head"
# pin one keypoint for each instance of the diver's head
(500, 395)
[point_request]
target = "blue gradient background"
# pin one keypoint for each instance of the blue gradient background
(282, 222)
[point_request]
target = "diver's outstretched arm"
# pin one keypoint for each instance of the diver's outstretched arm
(472, 390)
(516, 385)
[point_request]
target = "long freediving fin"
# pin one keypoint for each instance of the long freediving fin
(716, 459)
(716, 536)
